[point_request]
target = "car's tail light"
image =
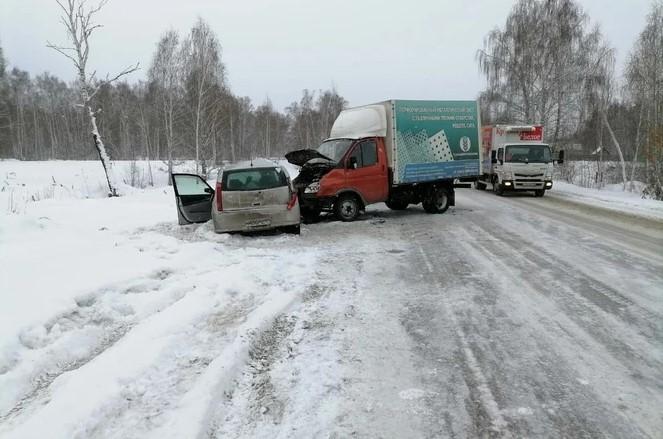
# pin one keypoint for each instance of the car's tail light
(219, 196)
(293, 200)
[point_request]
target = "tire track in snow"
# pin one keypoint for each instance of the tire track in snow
(110, 312)
(577, 295)
(199, 410)
(632, 233)
(498, 424)
(624, 370)
(529, 362)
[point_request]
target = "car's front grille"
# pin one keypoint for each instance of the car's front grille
(528, 175)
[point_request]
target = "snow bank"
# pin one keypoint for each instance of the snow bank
(611, 197)
(23, 183)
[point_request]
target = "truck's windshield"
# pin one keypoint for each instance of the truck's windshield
(334, 149)
(528, 154)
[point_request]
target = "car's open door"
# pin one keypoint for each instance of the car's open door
(194, 198)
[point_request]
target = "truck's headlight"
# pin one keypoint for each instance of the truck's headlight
(312, 188)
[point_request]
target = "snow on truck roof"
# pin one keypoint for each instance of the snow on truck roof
(355, 123)
(517, 128)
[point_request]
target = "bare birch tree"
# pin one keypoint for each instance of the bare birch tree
(166, 73)
(201, 56)
(535, 64)
(78, 19)
(644, 76)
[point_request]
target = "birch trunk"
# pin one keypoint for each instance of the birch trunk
(619, 149)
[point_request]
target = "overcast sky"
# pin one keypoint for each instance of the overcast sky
(370, 50)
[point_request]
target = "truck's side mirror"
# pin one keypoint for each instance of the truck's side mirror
(560, 159)
(352, 163)
(493, 157)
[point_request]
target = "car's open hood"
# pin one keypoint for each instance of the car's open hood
(302, 156)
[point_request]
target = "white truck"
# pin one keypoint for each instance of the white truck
(516, 159)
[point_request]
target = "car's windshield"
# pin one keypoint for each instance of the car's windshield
(528, 154)
(335, 149)
(253, 179)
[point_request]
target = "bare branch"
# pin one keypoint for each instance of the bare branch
(61, 50)
(108, 80)
(124, 72)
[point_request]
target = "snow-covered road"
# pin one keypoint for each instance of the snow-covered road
(505, 317)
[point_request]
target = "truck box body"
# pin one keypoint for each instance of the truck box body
(425, 140)
(399, 152)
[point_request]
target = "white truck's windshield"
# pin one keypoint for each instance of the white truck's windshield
(528, 154)
(334, 149)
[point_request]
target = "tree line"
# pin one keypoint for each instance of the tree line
(548, 65)
(184, 109)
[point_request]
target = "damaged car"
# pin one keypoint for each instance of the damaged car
(248, 197)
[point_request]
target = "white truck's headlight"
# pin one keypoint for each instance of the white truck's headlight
(312, 188)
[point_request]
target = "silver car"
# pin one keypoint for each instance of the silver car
(248, 197)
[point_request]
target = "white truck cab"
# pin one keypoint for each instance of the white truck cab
(516, 159)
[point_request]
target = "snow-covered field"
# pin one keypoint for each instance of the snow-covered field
(118, 323)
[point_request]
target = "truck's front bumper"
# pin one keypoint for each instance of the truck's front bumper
(526, 185)
(312, 202)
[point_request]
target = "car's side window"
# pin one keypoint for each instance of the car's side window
(356, 154)
(190, 185)
(369, 153)
(500, 154)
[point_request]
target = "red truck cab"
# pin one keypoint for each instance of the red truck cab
(359, 177)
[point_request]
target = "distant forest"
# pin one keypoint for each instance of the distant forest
(548, 64)
(184, 101)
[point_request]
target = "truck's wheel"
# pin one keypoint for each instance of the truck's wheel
(397, 204)
(437, 202)
(347, 207)
(539, 192)
(479, 186)
(497, 187)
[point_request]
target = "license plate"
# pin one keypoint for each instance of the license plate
(259, 223)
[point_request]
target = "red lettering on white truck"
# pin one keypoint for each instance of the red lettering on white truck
(536, 135)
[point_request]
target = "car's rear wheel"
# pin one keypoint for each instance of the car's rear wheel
(292, 230)
(347, 207)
